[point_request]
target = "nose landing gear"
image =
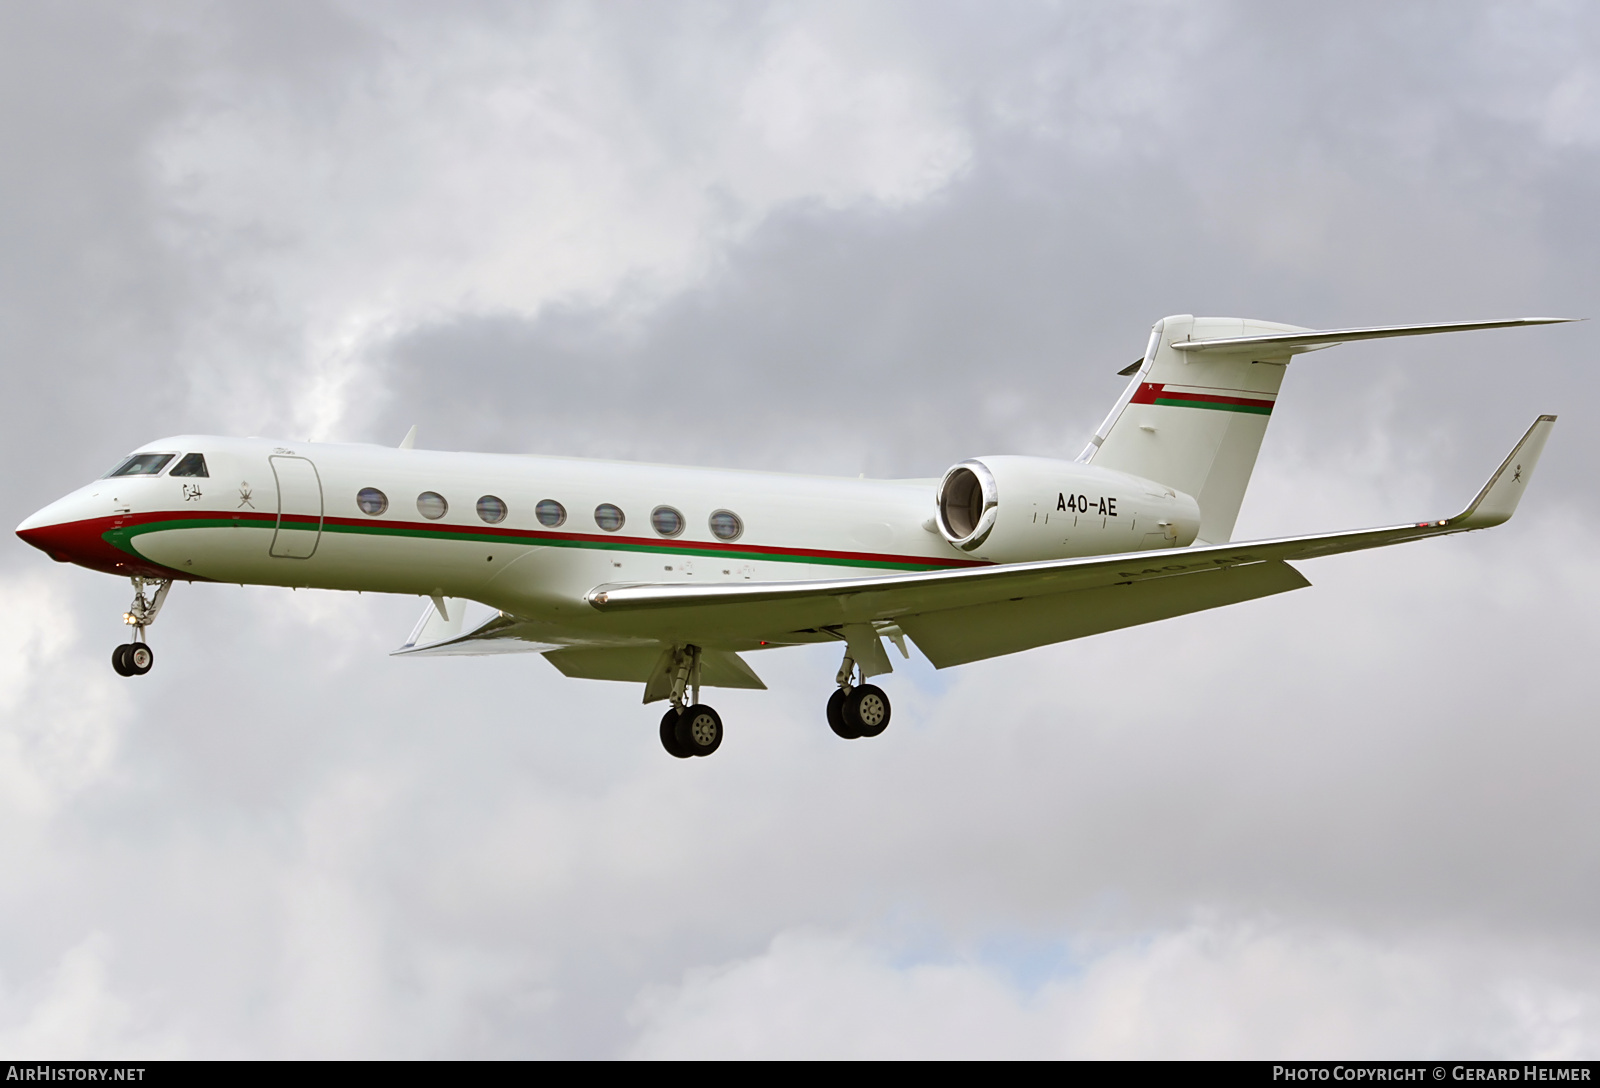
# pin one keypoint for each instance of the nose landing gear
(135, 658)
(132, 659)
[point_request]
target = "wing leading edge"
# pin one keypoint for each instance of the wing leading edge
(1294, 343)
(1102, 592)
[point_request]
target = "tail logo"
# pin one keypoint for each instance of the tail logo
(1189, 397)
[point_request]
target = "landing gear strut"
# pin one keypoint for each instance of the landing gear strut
(857, 710)
(135, 658)
(694, 730)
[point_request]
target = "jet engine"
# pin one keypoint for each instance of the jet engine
(1019, 509)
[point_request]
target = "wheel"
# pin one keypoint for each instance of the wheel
(699, 730)
(867, 708)
(836, 720)
(669, 735)
(119, 660)
(139, 658)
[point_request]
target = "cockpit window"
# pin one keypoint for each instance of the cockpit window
(193, 464)
(142, 464)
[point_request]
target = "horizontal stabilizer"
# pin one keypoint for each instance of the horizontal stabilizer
(1293, 343)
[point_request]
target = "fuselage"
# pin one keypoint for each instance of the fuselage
(529, 535)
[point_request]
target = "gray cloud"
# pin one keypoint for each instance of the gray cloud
(669, 234)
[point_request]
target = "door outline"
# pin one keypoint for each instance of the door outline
(277, 529)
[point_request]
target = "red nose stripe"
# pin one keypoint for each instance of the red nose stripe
(84, 543)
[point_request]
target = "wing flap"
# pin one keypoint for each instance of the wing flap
(959, 635)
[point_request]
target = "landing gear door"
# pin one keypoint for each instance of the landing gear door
(299, 526)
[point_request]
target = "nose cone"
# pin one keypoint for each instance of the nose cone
(79, 529)
(54, 531)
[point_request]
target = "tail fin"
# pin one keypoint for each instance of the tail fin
(1195, 413)
(1194, 421)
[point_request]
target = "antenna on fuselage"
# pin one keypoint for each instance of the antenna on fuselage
(410, 440)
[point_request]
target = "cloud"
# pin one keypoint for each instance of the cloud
(852, 238)
(522, 160)
(1211, 989)
(59, 732)
(78, 1015)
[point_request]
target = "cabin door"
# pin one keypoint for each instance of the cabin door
(299, 508)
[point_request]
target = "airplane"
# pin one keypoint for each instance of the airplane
(665, 576)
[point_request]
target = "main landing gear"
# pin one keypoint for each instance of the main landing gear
(857, 710)
(690, 728)
(135, 658)
(696, 729)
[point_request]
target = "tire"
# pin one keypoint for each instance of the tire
(138, 657)
(836, 720)
(699, 731)
(669, 735)
(867, 709)
(119, 660)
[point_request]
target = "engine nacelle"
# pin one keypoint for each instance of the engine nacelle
(1018, 509)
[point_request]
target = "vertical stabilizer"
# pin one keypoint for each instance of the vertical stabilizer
(1195, 420)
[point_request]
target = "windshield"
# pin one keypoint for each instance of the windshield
(193, 464)
(142, 464)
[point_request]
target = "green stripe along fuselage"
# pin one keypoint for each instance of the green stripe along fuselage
(123, 538)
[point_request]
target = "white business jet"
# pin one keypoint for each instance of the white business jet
(664, 576)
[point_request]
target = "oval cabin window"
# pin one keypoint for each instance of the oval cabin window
(550, 513)
(492, 508)
(725, 525)
(608, 517)
(372, 501)
(431, 505)
(666, 521)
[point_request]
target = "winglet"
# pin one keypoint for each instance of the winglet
(410, 440)
(1498, 500)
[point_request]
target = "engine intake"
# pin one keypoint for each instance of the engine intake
(969, 503)
(1020, 509)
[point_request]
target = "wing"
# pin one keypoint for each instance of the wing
(1086, 595)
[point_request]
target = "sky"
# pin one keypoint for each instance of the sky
(870, 237)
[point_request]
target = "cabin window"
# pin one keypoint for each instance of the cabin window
(193, 464)
(142, 464)
(608, 517)
(666, 521)
(431, 505)
(372, 501)
(492, 509)
(550, 513)
(725, 525)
